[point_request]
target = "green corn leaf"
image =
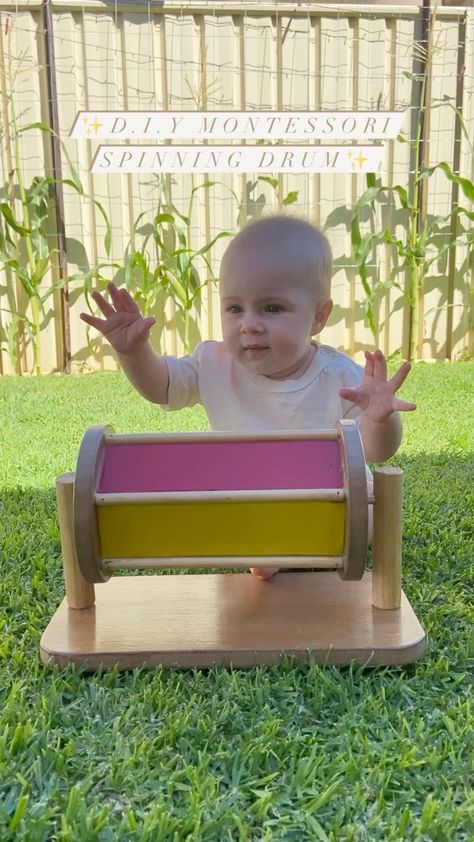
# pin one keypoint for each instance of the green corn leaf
(159, 242)
(465, 184)
(368, 196)
(9, 262)
(26, 282)
(39, 242)
(463, 211)
(71, 183)
(365, 246)
(402, 195)
(169, 239)
(58, 285)
(391, 240)
(181, 238)
(365, 282)
(41, 186)
(209, 245)
(205, 184)
(42, 126)
(41, 268)
(108, 240)
(290, 198)
(356, 237)
(148, 229)
(7, 214)
(183, 260)
(194, 279)
(273, 182)
(178, 289)
(76, 181)
(108, 228)
(143, 265)
(8, 251)
(12, 338)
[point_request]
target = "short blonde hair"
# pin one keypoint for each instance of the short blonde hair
(295, 238)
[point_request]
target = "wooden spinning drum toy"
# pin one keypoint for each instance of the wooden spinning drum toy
(288, 500)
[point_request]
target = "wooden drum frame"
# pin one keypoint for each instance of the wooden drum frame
(296, 500)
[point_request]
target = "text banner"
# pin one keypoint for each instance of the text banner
(237, 159)
(238, 125)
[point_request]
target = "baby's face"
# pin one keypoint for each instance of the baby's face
(268, 313)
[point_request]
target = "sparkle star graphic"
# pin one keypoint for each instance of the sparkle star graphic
(96, 125)
(356, 160)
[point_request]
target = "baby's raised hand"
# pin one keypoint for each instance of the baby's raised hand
(123, 326)
(376, 396)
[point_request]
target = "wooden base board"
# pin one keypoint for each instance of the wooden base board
(231, 619)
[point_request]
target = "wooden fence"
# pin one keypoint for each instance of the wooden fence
(59, 57)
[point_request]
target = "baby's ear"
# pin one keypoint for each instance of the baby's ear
(322, 314)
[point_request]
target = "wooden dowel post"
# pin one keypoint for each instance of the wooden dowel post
(387, 540)
(79, 593)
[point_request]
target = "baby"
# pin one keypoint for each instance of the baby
(267, 373)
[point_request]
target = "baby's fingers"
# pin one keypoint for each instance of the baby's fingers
(122, 298)
(399, 377)
(145, 325)
(380, 366)
(93, 321)
(103, 304)
(403, 406)
(369, 364)
(355, 396)
(347, 394)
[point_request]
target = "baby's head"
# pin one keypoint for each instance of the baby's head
(275, 285)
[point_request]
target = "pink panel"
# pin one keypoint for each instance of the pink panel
(212, 466)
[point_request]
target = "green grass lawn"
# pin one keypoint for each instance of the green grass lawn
(292, 752)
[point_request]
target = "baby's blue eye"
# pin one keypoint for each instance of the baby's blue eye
(234, 308)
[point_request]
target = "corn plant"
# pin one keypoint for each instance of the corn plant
(25, 247)
(416, 251)
(27, 217)
(427, 238)
(174, 268)
(26, 253)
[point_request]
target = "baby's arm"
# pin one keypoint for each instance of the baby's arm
(380, 423)
(381, 439)
(127, 332)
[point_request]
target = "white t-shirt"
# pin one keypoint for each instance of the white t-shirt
(237, 400)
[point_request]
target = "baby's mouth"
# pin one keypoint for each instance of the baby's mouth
(256, 348)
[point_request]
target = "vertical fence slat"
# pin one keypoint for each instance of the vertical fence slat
(462, 337)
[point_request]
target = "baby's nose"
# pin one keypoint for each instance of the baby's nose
(251, 323)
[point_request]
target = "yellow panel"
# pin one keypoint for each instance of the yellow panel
(212, 529)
